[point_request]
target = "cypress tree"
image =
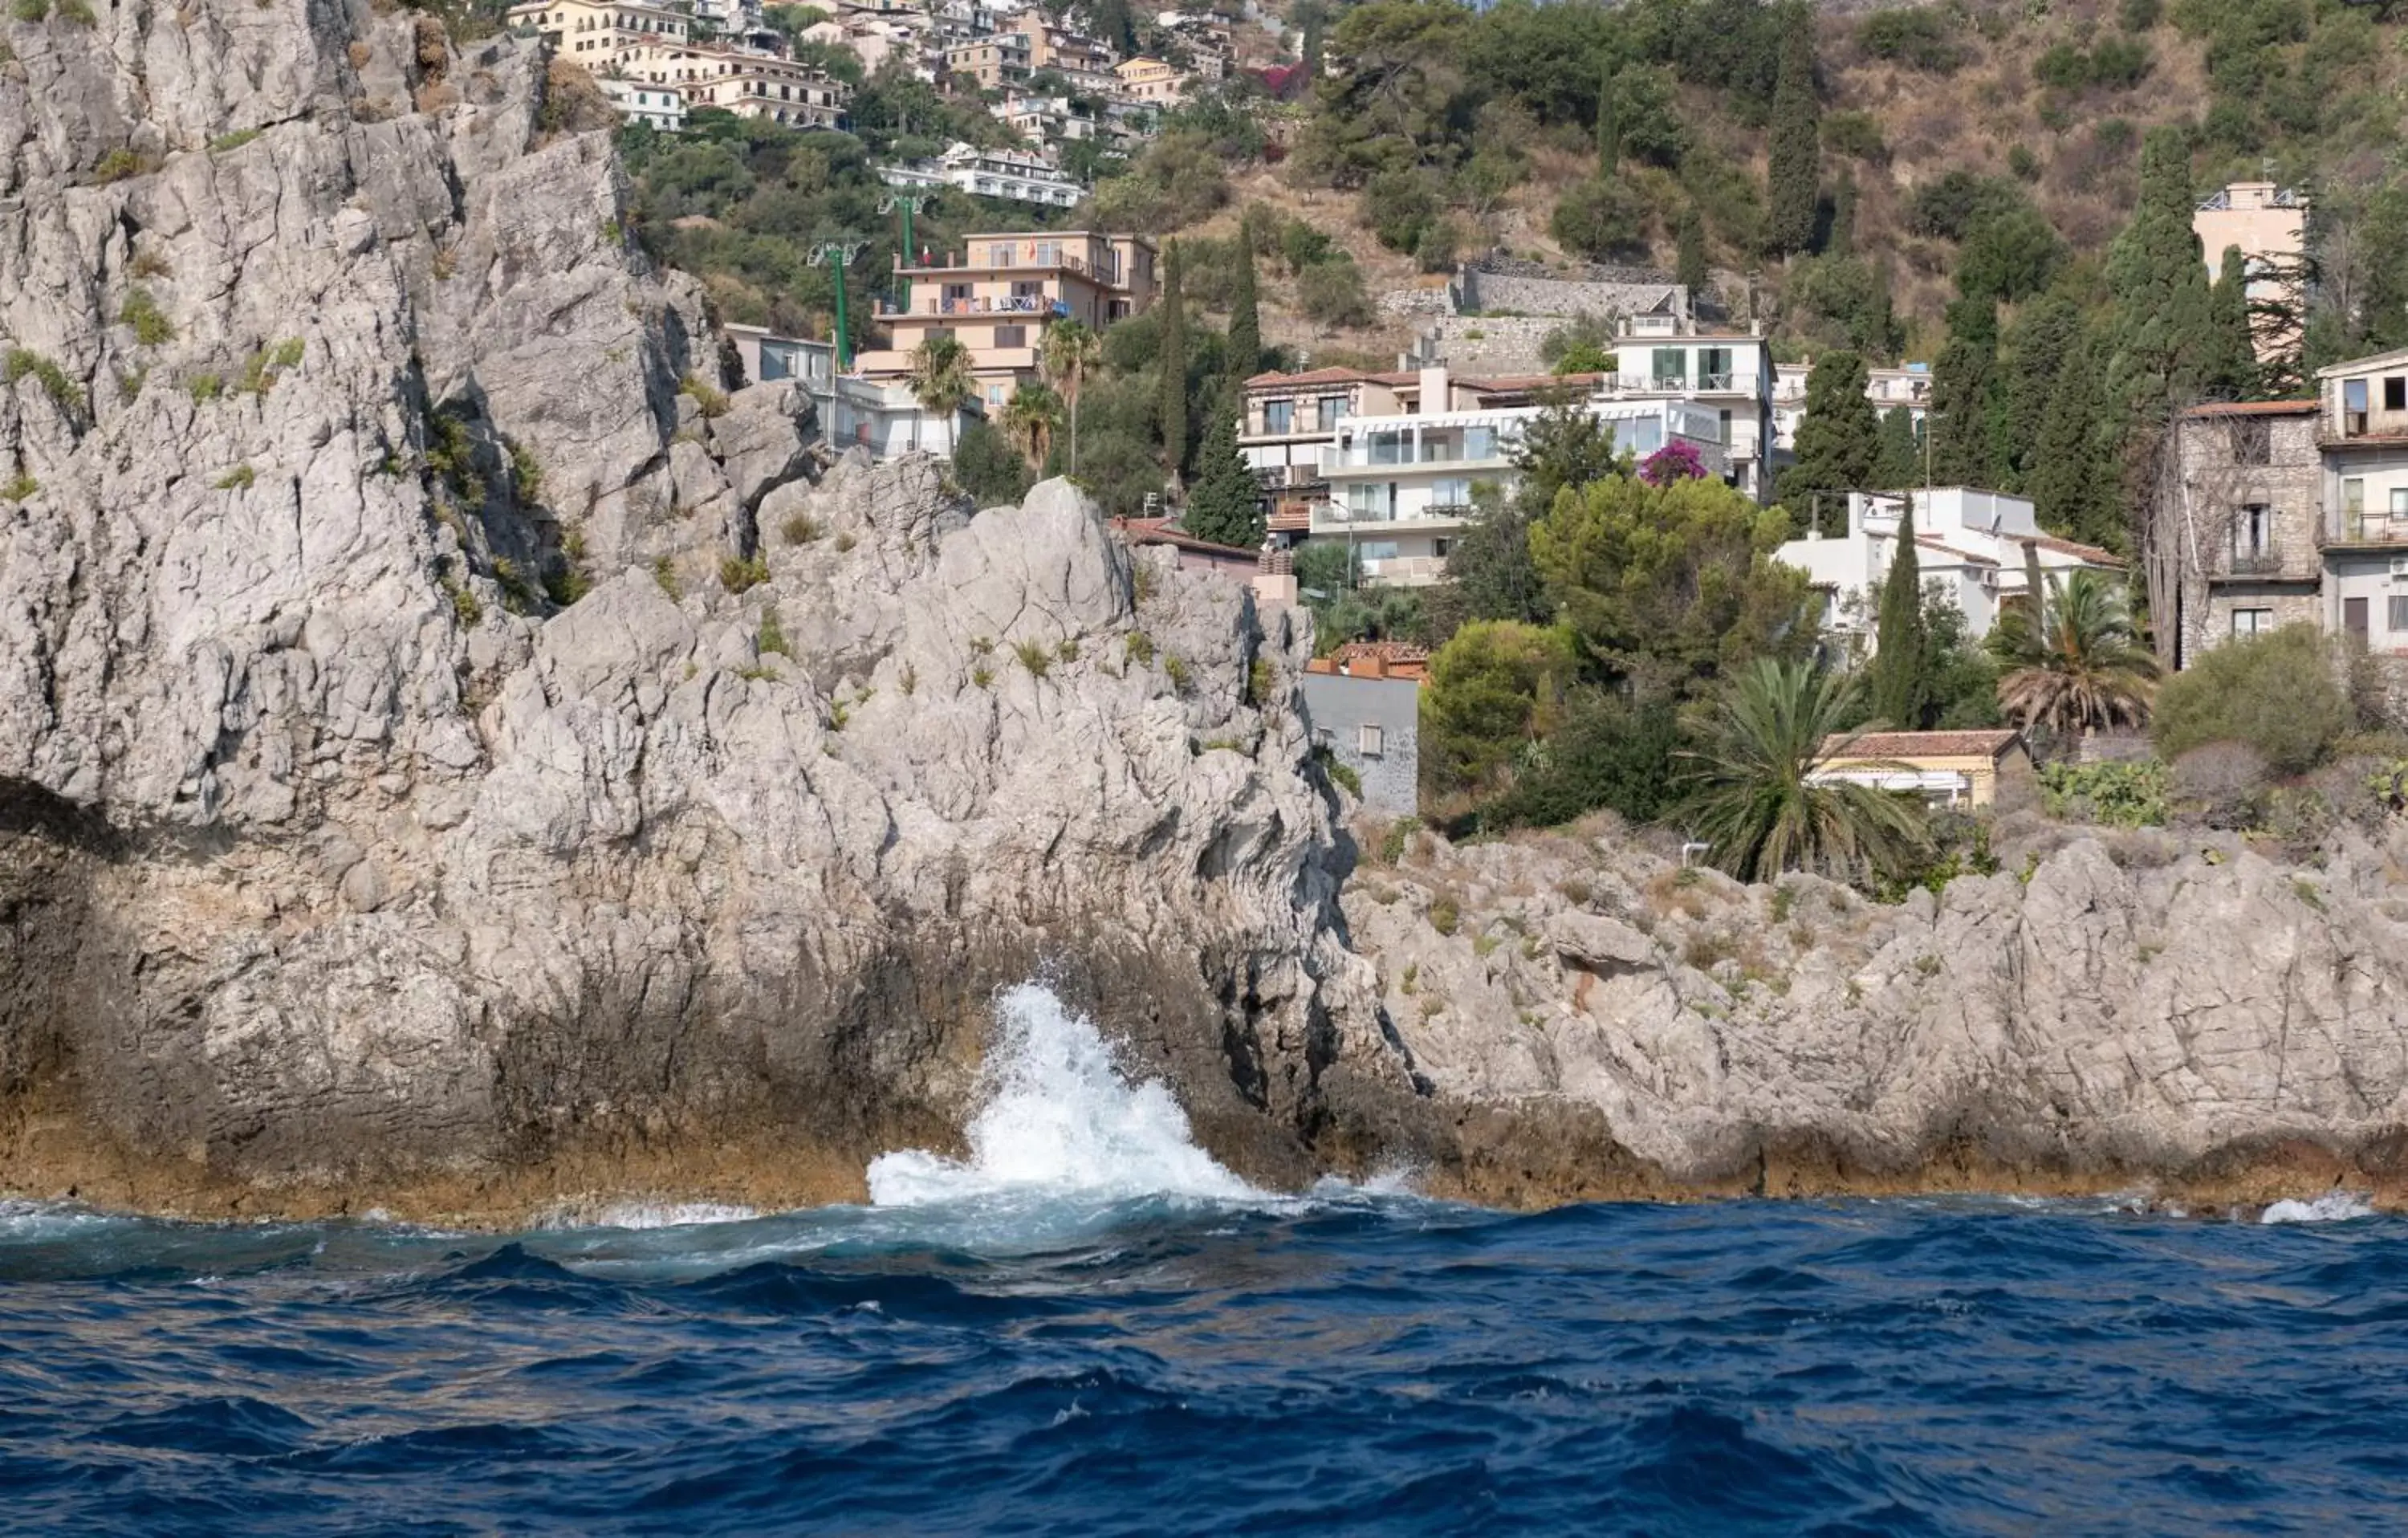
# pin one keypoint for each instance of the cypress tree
(1174, 363)
(1843, 215)
(2165, 345)
(1796, 160)
(1901, 451)
(2383, 295)
(1839, 438)
(1609, 125)
(1901, 646)
(2073, 480)
(2048, 332)
(1689, 266)
(1963, 421)
(1224, 506)
(2234, 373)
(1245, 349)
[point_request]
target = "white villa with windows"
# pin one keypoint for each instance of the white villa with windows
(1729, 373)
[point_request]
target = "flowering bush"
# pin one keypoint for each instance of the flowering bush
(1675, 460)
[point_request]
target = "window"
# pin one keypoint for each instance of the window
(2395, 392)
(1451, 493)
(995, 394)
(2252, 441)
(1378, 550)
(2353, 500)
(2394, 618)
(1480, 443)
(1278, 415)
(1441, 548)
(2400, 501)
(2353, 406)
(1366, 739)
(1715, 368)
(2254, 531)
(1333, 410)
(1011, 336)
(2251, 622)
(1672, 368)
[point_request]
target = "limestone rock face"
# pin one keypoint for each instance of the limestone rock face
(2117, 1018)
(444, 734)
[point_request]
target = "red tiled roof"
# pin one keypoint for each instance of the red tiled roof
(1157, 531)
(2092, 553)
(1988, 744)
(2254, 408)
(1272, 378)
(1929, 542)
(1386, 650)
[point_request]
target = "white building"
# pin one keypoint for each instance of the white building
(1888, 388)
(663, 106)
(1968, 545)
(1401, 486)
(878, 415)
(1729, 373)
(1011, 174)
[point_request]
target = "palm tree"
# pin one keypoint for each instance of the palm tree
(1071, 353)
(941, 382)
(1028, 420)
(1753, 790)
(2080, 666)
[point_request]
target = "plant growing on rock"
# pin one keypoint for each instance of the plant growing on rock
(24, 363)
(1034, 656)
(19, 488)
(149, 323)
(711, 402)
(241, 477)
(1753, 793)
(2281, 694)
(737, 575)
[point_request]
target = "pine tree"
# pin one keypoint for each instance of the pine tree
(1901, 451)
(2165, 345)
(1224, 506)
(1839, 441)
(1245, 349)
(1796, 161)
(1172, 363)
(1901, 648)
(1963, 421)
(1689, 266)
(2233, 375)
(1843, 215)
(1609, 125)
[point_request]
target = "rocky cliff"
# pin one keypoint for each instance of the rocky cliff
(453, 754)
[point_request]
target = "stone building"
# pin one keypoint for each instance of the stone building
(1372, 726)
(2245, 539)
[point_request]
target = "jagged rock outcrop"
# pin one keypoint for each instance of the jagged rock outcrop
(2159, 1011)
(448, 746)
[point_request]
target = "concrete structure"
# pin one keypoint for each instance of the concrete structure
(998, 294)
(1945, 768)
(1012, 174)
(2270, 224)
(992, 61)
(2362, 436)
(754, 85)
(1372, 726)
(600, 35)
(661, 107)
(1969, 545)
(879, 416)
(2249, 549)
(1057, 47)
(1664, 355)
(1188, 553)
(1377, 659)
(1526, 288)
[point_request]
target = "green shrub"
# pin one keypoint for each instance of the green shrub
(1920, 37)
(526, 475)
(1445, 916)
(769, 636)
(1392, 843)
(21, 489)
(2119, 793)
(1342, 774)
(226, 143)
(64, 393)
(78, 12)
(240, 478)
(801, 529)
(737, 575)
(117, 166)
(464, 603)
(1141, 648)
(710, 401)
(1035, 657)
(150, 323)
(665, 573)
(1259, 680)
(29, 11)
(2280, 693)
(205, 388)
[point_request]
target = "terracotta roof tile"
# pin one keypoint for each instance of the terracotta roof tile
(2092, 553)
(1386, 650)
(2254, 408)
(1920, 745)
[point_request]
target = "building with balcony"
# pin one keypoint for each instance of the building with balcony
(1052, 46)
(756, 85)
(1971, 546)
(1015, 174)
(1888, 389)
(880, 416)
(601, 36)
(995, 62)
(661, 107)
(2362, 443)
(2250, 552)
(1665, 355)
(2270, 224)
(1147, 79)
(1402, 484)
(999, 293)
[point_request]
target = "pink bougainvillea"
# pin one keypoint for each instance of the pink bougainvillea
(1675, 460)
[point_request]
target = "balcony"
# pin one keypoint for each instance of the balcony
(1369, 522)
(1287, 477)
(2368, 528)
(2253, 561)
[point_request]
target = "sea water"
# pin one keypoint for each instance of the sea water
(1089, 1325)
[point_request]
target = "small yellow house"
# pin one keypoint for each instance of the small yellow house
(1945, 768)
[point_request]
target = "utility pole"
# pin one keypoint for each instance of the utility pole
(838, 253)
(906, 203)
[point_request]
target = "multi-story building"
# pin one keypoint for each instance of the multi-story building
(1973, 547)
(2249, 553)
(1014, 174)
(600, 35)
(1399, 462)
(996, 295)
(880, 416)
(2270, 224)
(1147, 79)
(754, 85)
(995, 62)
(1909, 386)
(2362, 433)
(1729, 373)
(1052, 46)
(661, 107)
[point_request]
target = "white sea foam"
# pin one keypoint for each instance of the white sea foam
(2332, 1207)
(626, 1214)
(1058, 1119)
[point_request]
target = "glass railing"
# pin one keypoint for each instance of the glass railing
(2371, 528)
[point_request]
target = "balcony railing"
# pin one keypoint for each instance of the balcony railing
(2255, 561)
(2369, 528)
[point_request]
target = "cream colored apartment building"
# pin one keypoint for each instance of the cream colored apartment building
(1151, 80)
(2270, 224)
(999, 294)
(603, 36)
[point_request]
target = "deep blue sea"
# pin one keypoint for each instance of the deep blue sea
(1001, 1346)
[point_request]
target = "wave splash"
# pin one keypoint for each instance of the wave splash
(1059, 1119)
